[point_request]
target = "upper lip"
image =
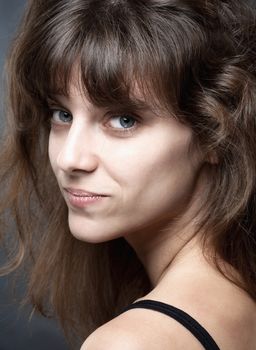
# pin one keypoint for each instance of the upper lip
(84, 193)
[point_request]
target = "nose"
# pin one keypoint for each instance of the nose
(78, 151)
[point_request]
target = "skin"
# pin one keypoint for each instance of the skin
(149, 165)
(155, 180)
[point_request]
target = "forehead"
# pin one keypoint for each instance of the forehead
(109, 53)
(133, 96)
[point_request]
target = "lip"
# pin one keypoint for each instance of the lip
(83, 193)
(80, 198)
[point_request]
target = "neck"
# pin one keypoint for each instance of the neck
(163, 250)
(168, 242)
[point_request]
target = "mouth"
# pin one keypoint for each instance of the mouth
(83, 193)
(78, 198)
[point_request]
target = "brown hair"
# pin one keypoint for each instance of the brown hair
(196, 58)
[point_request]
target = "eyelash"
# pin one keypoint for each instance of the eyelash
(54, 110)
(110, 117)
(123, 130)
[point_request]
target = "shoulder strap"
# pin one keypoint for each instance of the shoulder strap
(182, 317)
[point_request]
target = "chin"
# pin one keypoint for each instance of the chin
(92, 235)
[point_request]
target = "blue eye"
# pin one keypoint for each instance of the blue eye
(122, 122)
(59, 116)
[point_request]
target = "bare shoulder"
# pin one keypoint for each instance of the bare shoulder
(223, 309)
(141, 329)
(110, 337)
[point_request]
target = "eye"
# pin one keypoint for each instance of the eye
(61, 117)
(120, 122)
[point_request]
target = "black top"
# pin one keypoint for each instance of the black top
(182, 317)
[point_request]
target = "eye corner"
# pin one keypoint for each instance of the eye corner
(60, 116)
(114, 125)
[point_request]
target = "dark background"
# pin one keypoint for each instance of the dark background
(16, 331)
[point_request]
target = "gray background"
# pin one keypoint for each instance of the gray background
(16, 331)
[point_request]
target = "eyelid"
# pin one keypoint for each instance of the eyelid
(116, 114)
(56, 120)
(52, 105)
(55, 106)
(123, 131)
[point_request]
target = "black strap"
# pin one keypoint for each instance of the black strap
(182, 317)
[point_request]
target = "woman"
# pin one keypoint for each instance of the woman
(142, 113)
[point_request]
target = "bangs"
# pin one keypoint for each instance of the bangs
(109, 54)
(104, 69)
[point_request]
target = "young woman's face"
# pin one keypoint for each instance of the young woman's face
(119, 172)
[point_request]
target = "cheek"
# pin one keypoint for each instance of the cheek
(143, 161)
(53, 150)
(156, 178)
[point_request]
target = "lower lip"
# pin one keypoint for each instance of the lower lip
(83, 201)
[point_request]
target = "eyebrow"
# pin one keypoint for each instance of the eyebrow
(140, 104)
(132, 103)
(55, 97)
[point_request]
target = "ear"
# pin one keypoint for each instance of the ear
(212, 157)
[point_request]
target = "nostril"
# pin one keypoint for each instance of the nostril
(75, 162)
(76, 146)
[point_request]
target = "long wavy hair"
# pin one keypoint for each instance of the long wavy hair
(195, 58)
